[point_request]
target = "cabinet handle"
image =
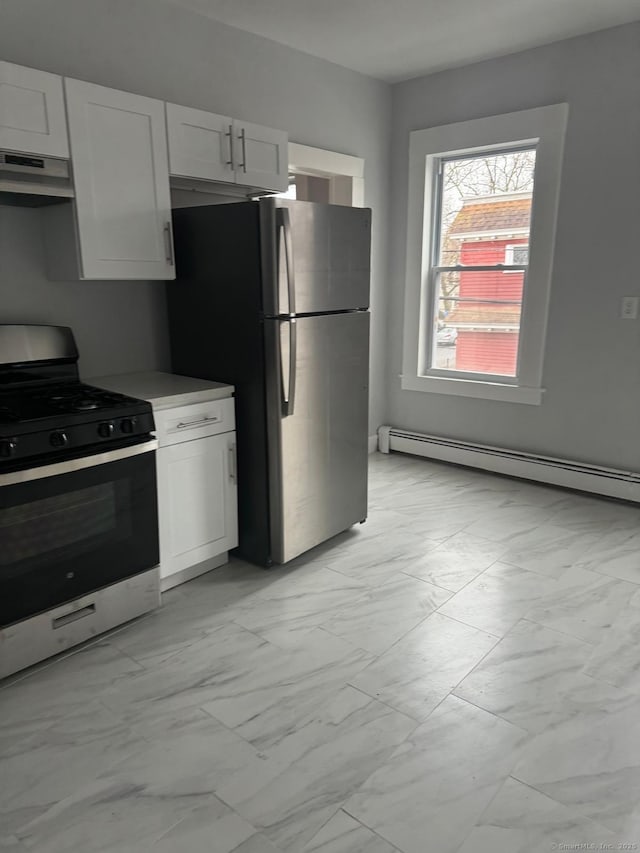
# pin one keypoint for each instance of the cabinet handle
(199, 422)
(232, 463)
(168, 244)
(243, 139)
(230, 162)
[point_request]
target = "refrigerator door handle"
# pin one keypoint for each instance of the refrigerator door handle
(288, 257)
(289, 398)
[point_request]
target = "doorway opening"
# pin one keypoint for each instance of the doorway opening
(325, 176)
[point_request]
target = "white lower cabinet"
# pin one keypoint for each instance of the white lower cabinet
(197, 501)
(197, 489)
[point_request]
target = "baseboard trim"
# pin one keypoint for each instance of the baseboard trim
(569, 474)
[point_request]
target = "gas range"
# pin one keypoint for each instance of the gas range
(46, 412)
(45, 420)
(78, 506)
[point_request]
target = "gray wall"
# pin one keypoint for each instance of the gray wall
(119, 325)
(151, 48)
(591, 410)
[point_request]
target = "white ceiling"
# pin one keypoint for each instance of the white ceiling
(399, 39)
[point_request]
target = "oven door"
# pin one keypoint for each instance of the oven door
(74, 527)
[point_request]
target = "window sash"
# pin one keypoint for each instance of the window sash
(481, 268)
(444, 373)
(482, 150)
(434, 297)
(438, 181)
(481, 300)
(436, 269)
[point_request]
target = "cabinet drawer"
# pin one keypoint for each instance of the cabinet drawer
(196, 420)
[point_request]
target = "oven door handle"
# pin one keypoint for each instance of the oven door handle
(13, 478)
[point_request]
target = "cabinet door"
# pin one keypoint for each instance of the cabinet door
(32, 117)
(197, 500)
(199, 144)
(121, 176)
(261, 156)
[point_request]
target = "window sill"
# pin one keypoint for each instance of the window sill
(474, 388)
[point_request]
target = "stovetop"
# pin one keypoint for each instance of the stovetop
(39, 421)
(59, 401)
(46, 413)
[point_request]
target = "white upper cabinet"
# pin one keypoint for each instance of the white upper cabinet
(261, 156)
(121, 178)
(32, 118)
(210, 147)
(199, 144)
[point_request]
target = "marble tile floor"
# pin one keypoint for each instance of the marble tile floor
(461, 674)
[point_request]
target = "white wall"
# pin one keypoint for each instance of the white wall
(147, 46)
(591, 410)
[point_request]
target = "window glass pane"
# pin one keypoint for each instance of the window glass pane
(484, 218)
(485, 203)
(477, 321)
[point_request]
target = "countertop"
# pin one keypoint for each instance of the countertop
(163, 390)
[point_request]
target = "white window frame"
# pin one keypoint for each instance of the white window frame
(509, 253)
(543, 127)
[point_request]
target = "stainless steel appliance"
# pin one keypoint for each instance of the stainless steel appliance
(78, 517)
(273, 296)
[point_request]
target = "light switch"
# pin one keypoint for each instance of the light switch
(629, 308)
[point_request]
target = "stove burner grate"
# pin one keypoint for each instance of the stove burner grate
(79, 399)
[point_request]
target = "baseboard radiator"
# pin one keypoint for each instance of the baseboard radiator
(543, 469)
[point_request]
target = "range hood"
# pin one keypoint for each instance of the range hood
(32, 181)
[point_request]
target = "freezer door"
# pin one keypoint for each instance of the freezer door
(317, 429)
(316, 257)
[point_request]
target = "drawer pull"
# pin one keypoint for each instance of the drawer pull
(61, 621)
(199, 422)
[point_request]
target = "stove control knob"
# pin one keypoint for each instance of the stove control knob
(128, 424)
(58, 439)
(8, 447)
(105, 430)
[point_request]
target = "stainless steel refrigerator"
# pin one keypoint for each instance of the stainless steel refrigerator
(273, 296)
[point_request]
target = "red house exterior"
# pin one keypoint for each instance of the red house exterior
(487, 229)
